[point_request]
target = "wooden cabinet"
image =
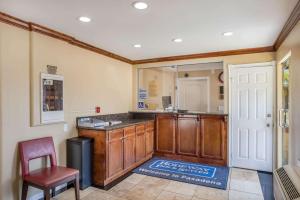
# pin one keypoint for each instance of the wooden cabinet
(188, 135)
(115, 152)
(119, 151)
(129, 146)
(149, 138)
(140, 142)
(213, 138)
(199, 138)
(165, 133)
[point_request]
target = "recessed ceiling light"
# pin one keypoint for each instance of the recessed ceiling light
(137, 45)
(140, 5)
(84, 19)
(228, 33)
(177, 40)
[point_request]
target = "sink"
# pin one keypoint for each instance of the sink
(114, 122)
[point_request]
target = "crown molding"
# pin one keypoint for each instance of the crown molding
(288, 27)
(207, 55)
(5, 18)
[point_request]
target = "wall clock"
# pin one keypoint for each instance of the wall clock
(221, 77)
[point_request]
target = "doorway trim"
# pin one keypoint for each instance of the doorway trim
(279, 138)
(274, 115)
(195, 78)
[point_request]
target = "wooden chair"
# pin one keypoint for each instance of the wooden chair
(45, 178)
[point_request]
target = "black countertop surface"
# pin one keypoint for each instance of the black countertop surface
(125, 123)
(176, 112)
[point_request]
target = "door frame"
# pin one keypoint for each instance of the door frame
(274, 116)
(279, 146)
(194, 78)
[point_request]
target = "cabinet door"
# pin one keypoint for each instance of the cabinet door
(165, 133)
(149, 142)
(129, 146)
(213, 137)
(140, 143)
(115, 152)
(188, 135)
(149, 137)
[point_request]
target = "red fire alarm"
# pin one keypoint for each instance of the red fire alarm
(98, 109)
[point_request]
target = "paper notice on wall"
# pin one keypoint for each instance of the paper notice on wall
(142, 94)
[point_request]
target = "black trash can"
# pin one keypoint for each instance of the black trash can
(79, 156)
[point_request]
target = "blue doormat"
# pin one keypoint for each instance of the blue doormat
(206, 175)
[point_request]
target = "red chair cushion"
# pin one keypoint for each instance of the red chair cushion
(49, 176)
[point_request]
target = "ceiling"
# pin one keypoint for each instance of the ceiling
(116, 26)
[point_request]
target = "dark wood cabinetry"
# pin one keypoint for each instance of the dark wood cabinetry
(199, 138)
(188, 135)
(118, 151)
(129, 146)
(149, 138)
(140, 142)
(115, 152)
(213, 138)
(165, 133)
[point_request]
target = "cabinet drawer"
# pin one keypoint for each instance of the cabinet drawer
(115, 134)
(149, 126)
(129, 131)
(140, 128)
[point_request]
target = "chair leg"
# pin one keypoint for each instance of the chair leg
(24, 190)
(53, 192)
(47, 194)
(76, 184)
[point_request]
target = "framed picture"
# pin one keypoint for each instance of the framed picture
(52, 98)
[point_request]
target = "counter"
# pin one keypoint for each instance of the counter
(125, 123)
(176, 112)
(119, 148)
(127, 119)
(192, 136)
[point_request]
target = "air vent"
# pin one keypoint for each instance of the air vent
(287, 184)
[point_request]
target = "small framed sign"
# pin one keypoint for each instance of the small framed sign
(141, 105)
(52, 98)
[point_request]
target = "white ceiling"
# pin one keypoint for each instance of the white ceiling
(116, 26)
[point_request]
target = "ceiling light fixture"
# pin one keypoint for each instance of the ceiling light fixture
(177, 40)
(137, 45)
(84, 19)
(140, 5)
(228, 33)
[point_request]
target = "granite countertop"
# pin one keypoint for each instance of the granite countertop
(125, 123)
(180, 113)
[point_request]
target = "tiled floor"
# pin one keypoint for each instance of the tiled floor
(242, 185)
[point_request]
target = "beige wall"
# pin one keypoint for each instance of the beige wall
(165, 82)
(237, 59)
(291, 44)
(90, 79)
(214, 84)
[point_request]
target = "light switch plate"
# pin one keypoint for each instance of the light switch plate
(66, 127)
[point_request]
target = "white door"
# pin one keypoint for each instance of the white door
(251, 117)
(193, 94)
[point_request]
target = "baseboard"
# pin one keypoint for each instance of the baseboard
(40, 195)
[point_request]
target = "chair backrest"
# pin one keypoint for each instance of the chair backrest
(36, 148)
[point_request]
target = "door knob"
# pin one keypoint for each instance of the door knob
(268, 125)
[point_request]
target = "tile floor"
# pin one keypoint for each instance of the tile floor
(242, 185)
